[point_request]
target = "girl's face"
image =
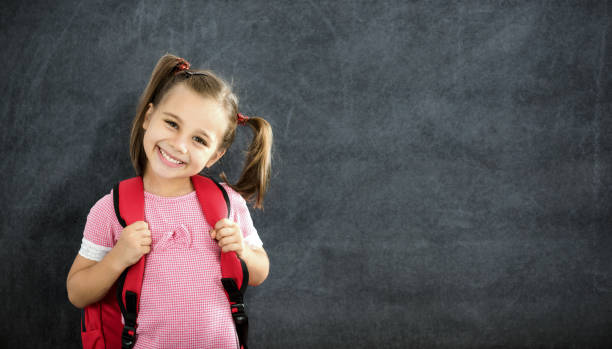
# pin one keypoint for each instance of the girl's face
(182, 134)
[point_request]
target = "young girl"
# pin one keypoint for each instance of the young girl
(184, 123)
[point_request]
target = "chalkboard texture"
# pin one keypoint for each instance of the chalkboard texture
(442, 170)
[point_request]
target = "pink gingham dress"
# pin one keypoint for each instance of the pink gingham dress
(182, 303)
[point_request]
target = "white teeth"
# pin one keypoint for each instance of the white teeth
(167, 157)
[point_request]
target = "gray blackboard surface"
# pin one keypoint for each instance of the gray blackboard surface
(441, 177)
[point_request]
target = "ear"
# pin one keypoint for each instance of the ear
(148, 114)
(215, 158)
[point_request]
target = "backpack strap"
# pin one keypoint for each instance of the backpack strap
(128, 199)
(234, 273)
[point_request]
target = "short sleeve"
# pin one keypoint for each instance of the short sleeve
(240, 214)
(97, 234)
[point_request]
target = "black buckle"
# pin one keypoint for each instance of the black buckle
(127, 339)
(240, 315)
(241, 308)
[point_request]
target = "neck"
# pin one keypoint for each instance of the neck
(166, 187)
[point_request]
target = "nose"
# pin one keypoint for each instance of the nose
(180, 143)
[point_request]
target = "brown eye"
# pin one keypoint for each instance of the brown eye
(200, 140)
(171, 123)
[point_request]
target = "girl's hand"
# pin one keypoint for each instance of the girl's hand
(228, 233)
(134, 242)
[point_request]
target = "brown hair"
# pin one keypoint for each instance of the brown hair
(253, 181)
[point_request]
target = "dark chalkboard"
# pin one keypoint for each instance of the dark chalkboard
(441, 177)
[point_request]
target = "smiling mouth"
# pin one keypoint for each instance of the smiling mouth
(169, 158)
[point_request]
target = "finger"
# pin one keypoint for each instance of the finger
(139, 225)
(146, 242)
(220, 233)
(213, 233)
(144, 228)
(226, 231)
(146, 249)
(222, 223)
(227, 240)
(230, 247)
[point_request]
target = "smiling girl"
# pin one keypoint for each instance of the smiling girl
(185, 122)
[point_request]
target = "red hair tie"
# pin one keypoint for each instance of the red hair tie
(242, 119)
(181, 64)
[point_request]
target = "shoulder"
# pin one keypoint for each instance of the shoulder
(102, 224)
(233, 195)
(104, 205)
(238, 204)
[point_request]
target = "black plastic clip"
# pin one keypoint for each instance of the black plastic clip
(128, 339)
(240, 314)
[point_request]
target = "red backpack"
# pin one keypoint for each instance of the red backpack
(101, 325)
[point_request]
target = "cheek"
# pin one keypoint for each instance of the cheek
(153, 133)
(201, 156)
(147, 140)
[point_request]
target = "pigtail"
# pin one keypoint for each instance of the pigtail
(163, 72)
(255, 176)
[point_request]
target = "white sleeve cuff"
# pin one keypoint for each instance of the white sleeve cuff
(93, 251)
(253, 241)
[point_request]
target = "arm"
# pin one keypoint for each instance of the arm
(229, 237)
(89, 281)
(258, 264)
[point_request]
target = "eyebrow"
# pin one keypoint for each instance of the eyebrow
(180, 120)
